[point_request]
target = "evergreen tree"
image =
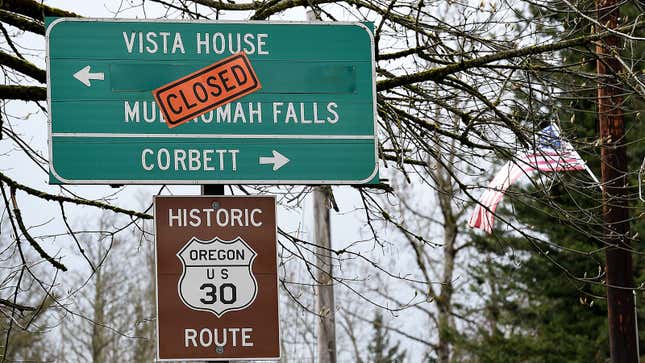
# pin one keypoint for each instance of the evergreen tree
(545, 302)
(380, 350)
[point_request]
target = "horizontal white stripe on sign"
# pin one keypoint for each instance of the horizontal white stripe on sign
(214, 136)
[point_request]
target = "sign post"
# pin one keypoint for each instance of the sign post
(308, 118)
(217, 293)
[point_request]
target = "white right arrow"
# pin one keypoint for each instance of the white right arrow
(278, 160)
(84, 76)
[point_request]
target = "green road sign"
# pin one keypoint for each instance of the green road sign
(312, 122)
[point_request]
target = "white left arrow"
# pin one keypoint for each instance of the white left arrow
(85, 76)
(278, 160)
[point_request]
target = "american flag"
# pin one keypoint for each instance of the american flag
(551, 154)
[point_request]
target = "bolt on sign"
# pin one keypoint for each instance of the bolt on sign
(216, 273)
(306, 112)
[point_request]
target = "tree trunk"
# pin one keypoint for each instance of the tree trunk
(620, 279)
(450, 230)
(98, 340)
(445, 297)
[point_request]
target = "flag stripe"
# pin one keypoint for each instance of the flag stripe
(545, 158)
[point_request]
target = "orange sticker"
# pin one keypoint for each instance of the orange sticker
(206, 89)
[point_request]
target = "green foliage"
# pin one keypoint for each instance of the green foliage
(538, 307)
(380, 349)
(545, 301)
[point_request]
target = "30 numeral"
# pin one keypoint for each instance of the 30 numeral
(227, 293)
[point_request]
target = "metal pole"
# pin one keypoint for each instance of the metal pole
(214, 189)
(620, 279)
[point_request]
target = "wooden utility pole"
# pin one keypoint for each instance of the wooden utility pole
(623, 344)
(326, 331)
(325, 307)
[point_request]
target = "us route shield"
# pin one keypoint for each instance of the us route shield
(217, 275)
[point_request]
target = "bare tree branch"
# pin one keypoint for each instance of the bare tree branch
(24, 93)
(23, 66)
